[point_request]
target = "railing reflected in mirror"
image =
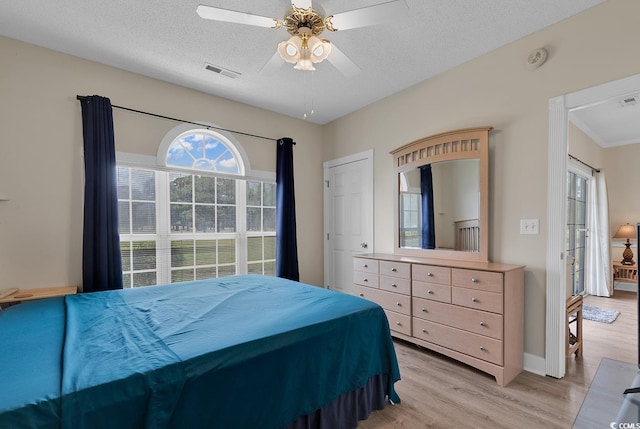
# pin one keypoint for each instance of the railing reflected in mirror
(442, 196)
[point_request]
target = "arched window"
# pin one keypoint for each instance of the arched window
(196, 214)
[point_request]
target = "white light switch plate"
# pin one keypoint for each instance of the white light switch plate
(530, 226)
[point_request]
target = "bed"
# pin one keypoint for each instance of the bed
(237, 352)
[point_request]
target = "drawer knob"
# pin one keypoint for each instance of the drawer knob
(474, 280)
(482, 324)
(474, 300)
(361, 294)
(398, 323)
(365, 266)
(398, 304)
(424, 331)
(482, 349)
(429, 274)
(393, 270)
(393, 285)
(424, 310)
(365, 279)
(430, 292)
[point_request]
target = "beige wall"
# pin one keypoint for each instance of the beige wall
(597, 46)
(41, 167)
(623, 175)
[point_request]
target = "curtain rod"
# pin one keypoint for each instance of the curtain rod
(83, 97)
(597, 170)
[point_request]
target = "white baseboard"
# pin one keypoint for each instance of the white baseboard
(535, 364)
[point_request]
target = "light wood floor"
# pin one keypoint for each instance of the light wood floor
(438, 392)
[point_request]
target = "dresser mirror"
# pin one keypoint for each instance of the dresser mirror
(441, 201)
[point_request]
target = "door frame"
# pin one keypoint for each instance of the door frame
(366, 155)
(559, 108)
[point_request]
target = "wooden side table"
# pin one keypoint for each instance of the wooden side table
(574, 315)
(20, 295)
(624, 273)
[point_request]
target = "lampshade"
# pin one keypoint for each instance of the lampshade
(304, 50)
(625, 231)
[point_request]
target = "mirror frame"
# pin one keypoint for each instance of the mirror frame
(468, 143)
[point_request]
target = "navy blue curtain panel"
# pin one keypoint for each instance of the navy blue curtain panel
(286, 239)
(428, 222)
(101, 259)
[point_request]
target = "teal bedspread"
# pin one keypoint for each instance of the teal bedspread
(242, 351)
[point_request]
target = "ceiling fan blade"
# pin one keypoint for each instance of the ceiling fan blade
(272, 66)
(301, 4)
(371, 15)
(217, 14)
(342, 62)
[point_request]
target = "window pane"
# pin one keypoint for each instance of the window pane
(180, 188)
(226, 189)
(144, 279)
(205, 189)
(205, 218)
(253, 193)
(206, 273)
(269, 268)
(144, 218)
(254, 219)
(125, 249)
(181, 215)
(123, 183)
(269, 194)
(254, 249)
(205, 252)
(181, 253)
(227, 219)
(126, 280)
(227, 251)
(123, 217)
(181, 275)
(227, 270)
(269, 248)
(144, 255)
(143, 185)
(269, 219)
(254, 268)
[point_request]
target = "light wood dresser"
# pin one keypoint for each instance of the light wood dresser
(470, 311)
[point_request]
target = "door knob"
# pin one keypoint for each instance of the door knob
(364, 245)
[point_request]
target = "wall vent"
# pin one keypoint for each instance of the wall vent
(221, 70)
(629, 101)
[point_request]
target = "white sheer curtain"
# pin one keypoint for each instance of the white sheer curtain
(598, 279)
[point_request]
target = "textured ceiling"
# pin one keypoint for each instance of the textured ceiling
(167, 40)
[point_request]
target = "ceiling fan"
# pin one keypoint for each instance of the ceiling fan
(304, 48)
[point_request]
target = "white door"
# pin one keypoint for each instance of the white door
(348, 212)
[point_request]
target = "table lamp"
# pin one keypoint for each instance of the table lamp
(626, 231)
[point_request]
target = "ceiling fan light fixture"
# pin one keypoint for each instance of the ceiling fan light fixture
(319, 49)
(290, 50)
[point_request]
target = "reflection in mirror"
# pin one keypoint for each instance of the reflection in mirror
(439, 206)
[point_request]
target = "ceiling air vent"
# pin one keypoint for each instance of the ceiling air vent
(221, 70)
(629, 101)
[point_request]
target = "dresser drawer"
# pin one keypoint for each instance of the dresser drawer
(395, 269)
(431, 274)
(477, 299)
(365, 265)
(482, 280)
(387, 300)
(399, 322)
(433, 291)
(475, 345)
(395, 284)
(479, 322)
(365, 279)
